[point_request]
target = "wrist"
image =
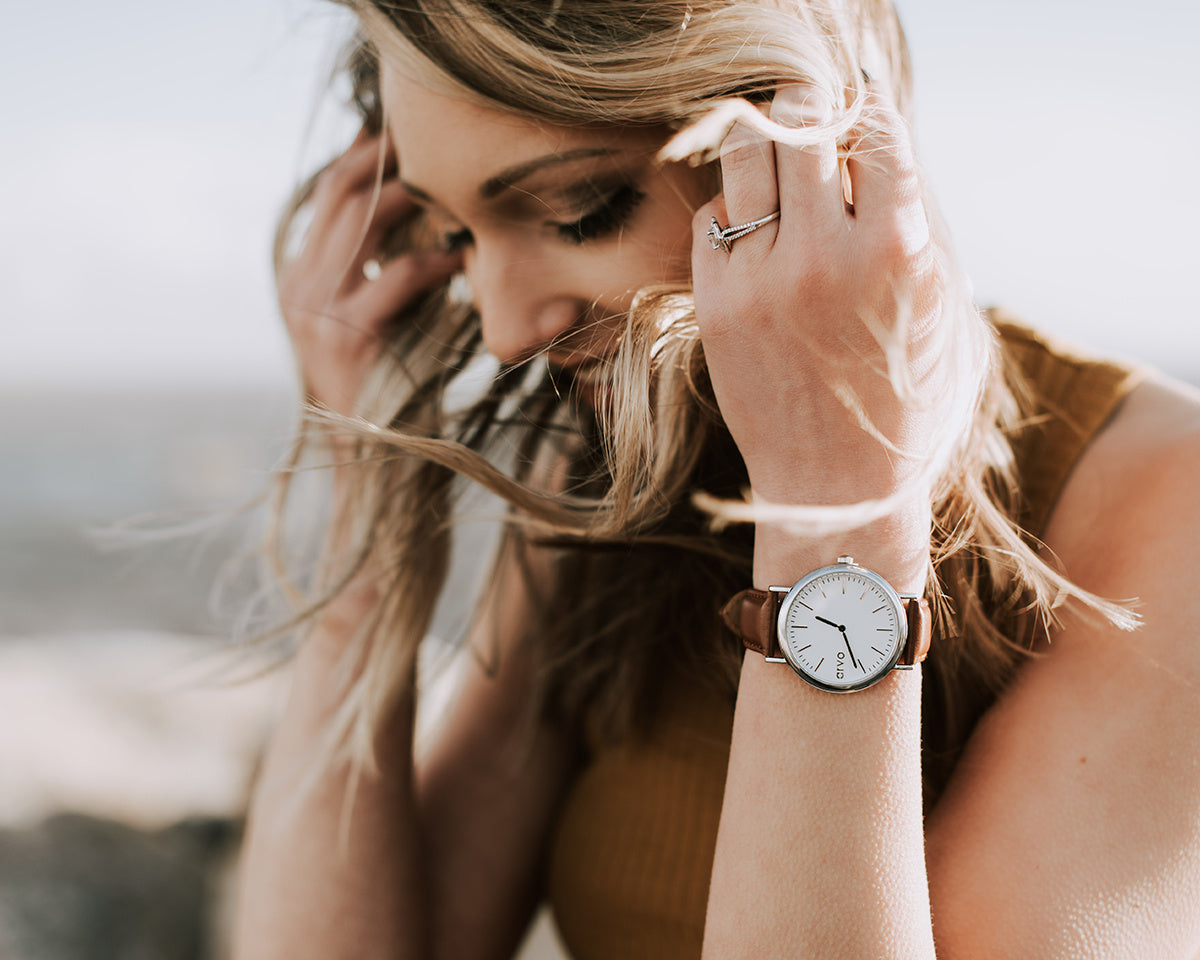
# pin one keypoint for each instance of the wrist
(895, 546)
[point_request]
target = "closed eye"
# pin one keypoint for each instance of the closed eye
(454, 240)
(606, 218)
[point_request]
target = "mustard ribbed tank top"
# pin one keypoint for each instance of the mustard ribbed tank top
(633, 848)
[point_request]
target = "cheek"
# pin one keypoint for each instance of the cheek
(648, 258)
(684, 190)
(663, 250)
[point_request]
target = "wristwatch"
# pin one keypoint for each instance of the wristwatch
(842, 627)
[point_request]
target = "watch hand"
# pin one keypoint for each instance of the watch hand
(846, 639)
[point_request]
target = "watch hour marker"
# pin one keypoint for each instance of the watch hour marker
(818, 666)
(877, 609)
(804, 605)
(883, 629)
(878, 651)
(803, 648)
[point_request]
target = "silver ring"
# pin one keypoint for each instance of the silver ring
(372, 269)
(722, 238)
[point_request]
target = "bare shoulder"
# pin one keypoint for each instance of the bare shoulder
(1127, 527)
(1075, 811)
(1131, 507)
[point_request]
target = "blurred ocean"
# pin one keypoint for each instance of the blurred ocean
(75, 466)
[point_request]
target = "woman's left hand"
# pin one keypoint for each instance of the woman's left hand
(792, 317)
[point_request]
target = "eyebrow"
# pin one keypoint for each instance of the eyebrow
(506, 179)
(494, 186)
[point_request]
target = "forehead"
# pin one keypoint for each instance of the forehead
(440, 137)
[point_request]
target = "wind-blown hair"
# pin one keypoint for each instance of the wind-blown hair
(637, 567)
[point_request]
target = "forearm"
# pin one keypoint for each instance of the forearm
(312, 885)
(820, 851)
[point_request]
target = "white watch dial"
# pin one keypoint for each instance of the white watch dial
(842, 627)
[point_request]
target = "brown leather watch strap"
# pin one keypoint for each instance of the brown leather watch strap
(751, 615)
(920, 631)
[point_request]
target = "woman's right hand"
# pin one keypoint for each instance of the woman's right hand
(335, 316)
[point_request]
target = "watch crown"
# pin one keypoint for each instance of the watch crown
(849, 560)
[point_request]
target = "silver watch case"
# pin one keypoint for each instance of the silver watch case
(843, 564)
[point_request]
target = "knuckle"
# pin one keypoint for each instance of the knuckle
(744, 156)
(897, 240)
(886, 243)
(702, 218)
(800, 104)
(908, 191)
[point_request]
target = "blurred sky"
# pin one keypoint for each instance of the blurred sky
(147, 147)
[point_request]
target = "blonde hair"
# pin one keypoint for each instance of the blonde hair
(652, 471)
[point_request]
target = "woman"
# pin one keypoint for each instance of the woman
(782, 318)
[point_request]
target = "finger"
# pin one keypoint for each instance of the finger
(357, 227)
(393, 204)
(810, 184)
(748, 177)
(406, 277)
(359, 168)
(360, 165)
(885, 181)
(345, 182)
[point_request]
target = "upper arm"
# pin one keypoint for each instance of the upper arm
(487, 787)
(1072, 826)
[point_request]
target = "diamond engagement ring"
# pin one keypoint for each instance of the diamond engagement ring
(722, 238)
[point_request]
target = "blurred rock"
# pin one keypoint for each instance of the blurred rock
(77, 887)
(125, 763)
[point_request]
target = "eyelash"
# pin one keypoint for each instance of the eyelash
(606, 218)
(455, 240)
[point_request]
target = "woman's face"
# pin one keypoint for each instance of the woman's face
(559, 226)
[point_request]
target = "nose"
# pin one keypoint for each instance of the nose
(523, 304)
